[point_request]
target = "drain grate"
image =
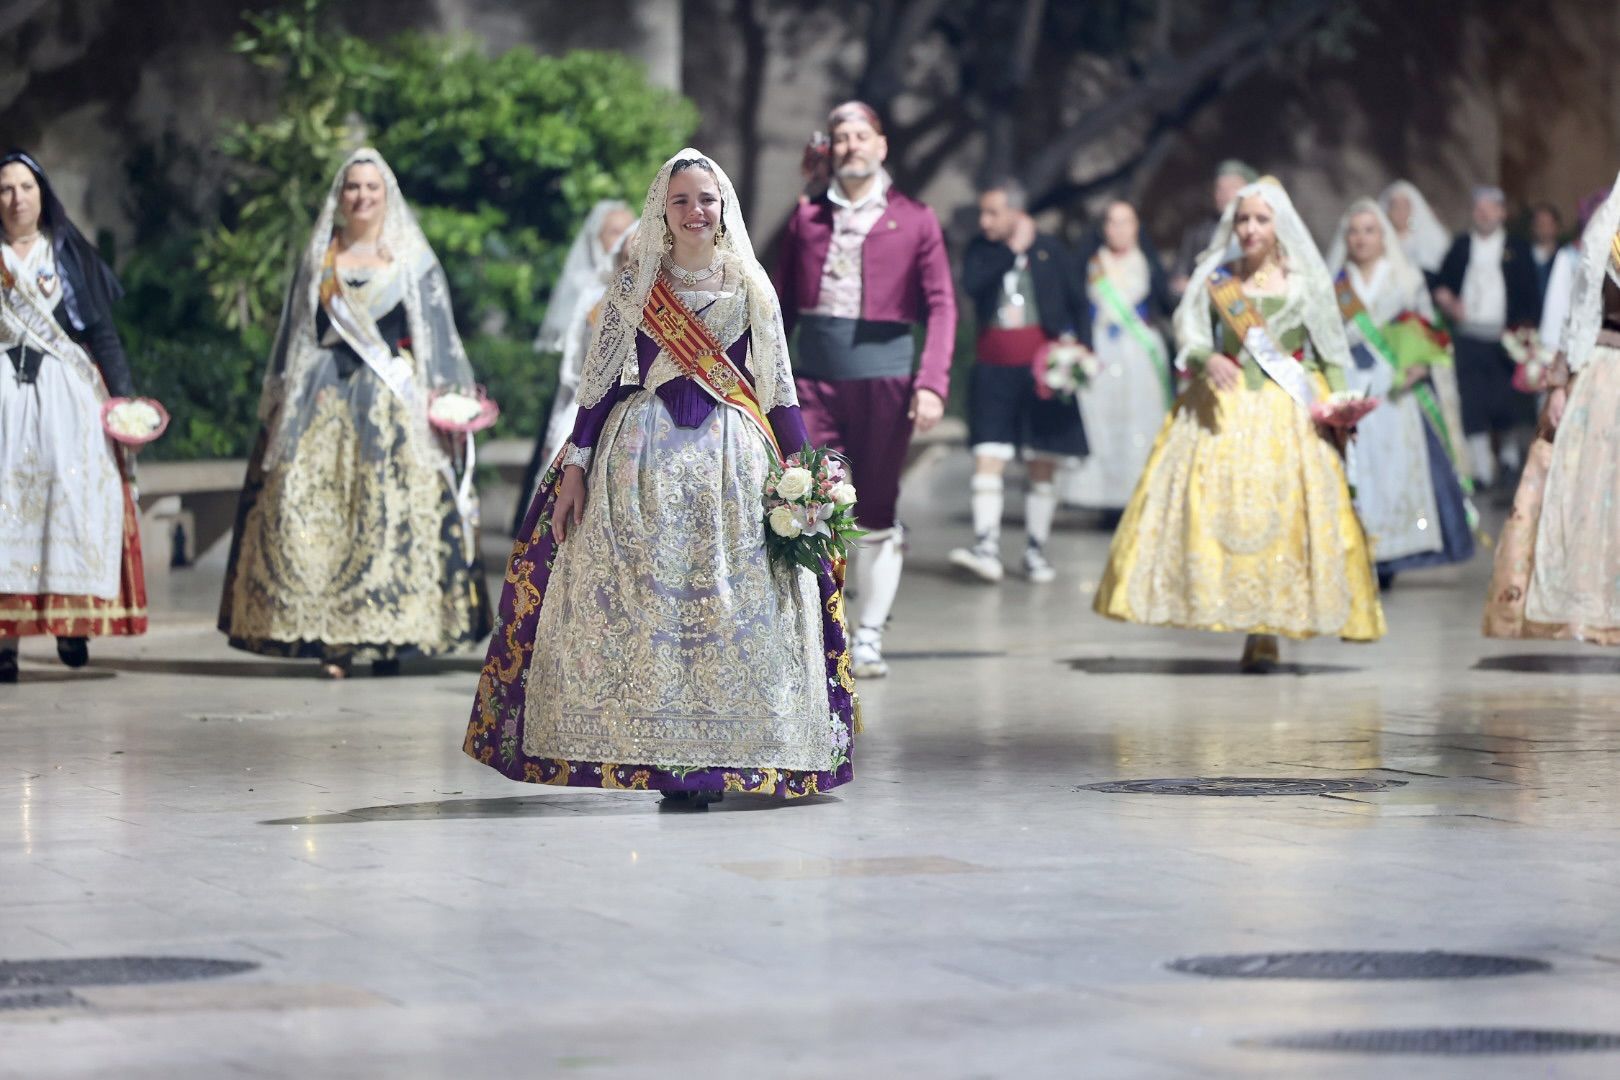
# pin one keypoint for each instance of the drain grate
(1455, 1041)
(40, 999)
(1357, 965)
(1239, 785)
(114, 971)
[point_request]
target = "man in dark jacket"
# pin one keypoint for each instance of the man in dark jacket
(1487, 284)
(1026, 295)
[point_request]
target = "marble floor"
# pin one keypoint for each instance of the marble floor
(965, 909)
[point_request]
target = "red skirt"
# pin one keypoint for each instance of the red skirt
(86, 616)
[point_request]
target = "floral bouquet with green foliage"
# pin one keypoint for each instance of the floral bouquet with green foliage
(810, 509)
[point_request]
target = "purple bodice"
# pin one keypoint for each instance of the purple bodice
(688, 403)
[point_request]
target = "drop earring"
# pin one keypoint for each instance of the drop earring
(669, 239)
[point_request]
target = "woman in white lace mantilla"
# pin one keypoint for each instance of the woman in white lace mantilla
(645, 639)
(1557, 571)
(355, 537)
(1403, 460)
(1242, 520)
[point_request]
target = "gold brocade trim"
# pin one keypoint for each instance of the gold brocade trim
(1242, 521)
(342, 549)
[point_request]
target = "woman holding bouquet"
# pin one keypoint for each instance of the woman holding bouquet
(354, 538)
(1242, 520)
(647, 639)
(1557, 572)
(1411, 503)
(70, 546)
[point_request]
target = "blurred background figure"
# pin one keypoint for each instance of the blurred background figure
(1559, 294)
(578, 289)
(1546, 235)
(1424, 238)
(1486, 285)
(1407, 494)
(1024, 293)
(1230, 175)
(856, 270)
(1124, 403)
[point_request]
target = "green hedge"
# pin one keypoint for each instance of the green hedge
(500, 156)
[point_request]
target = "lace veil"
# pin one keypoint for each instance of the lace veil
(300, 366)
(1429, 239)
(1404, 287)
(1597, 265)
(748, 302)
(1309, 301)
(584, 267)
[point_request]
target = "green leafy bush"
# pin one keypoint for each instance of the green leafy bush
(522, 380)
(501, 158)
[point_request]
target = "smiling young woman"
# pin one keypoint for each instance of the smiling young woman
(648, 640)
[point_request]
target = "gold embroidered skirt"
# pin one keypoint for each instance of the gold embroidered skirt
(351, 545)
(668, 637)
(1242, 521)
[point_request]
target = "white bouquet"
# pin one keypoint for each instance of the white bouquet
(133, 421)
(460, 411)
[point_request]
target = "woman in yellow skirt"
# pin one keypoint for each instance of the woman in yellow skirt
(1242, 520)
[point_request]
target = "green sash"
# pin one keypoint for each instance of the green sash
(1355, 313)
(1126, 316)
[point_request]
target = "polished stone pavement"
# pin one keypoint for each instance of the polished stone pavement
(962, 910)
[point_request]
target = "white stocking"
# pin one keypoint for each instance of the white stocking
(878, 577)
(1040, 506)
(987, 505)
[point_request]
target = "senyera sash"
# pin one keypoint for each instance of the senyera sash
(694, 349)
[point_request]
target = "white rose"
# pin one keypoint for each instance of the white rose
(843, 494)
(795, 484)
(783, 523)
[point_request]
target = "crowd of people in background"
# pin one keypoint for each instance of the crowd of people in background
(1272, 434)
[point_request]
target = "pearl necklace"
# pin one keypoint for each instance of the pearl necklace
(690, 278)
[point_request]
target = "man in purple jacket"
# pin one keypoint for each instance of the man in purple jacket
(860, 266)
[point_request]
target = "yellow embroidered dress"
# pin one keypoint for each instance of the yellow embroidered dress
(1242, 520)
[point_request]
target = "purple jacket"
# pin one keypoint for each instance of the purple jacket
(905, 276)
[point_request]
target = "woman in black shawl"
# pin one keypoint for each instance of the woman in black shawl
(70, 558)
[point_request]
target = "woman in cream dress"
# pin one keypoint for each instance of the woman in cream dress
(1557, 572)
(1123, 406)
(1410, 500)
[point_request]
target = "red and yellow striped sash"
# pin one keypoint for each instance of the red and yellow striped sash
(700, 357)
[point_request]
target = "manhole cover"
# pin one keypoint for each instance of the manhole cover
(1239, 785)
(1448, 1041)
(113, 971)
(1357, 965)
(40, 999)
